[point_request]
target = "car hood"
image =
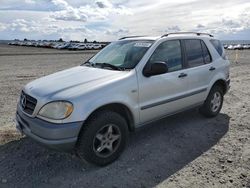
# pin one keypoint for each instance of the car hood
(73, 81)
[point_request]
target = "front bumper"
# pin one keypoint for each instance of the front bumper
(57, 136)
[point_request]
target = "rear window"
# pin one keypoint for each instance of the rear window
(217, 45)
(197, 52)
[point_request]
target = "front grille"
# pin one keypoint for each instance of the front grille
(27, 103)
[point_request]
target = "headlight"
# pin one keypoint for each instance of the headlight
(56, 110)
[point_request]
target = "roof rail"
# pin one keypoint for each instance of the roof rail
(165, 35)
(130, 37)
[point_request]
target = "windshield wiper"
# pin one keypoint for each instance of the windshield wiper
(102, 65)
(88, 63)
(109, 65)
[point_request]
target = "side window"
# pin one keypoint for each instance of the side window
(206, 54)
(217, 45)
(194, 52)
(169, 52)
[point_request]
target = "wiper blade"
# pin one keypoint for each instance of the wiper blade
(109, 65)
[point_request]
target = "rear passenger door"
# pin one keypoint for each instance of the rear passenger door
(199, 69)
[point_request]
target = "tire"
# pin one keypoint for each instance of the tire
(208, 109)
(97, 139)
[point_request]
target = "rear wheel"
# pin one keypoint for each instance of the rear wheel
(103, 138)
(213, 103)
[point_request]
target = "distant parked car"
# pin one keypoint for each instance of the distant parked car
(230, 47)
(97, 46)
(73, 46)
(246, 46)
(64, 45)
(47, 44)
(81, 47)
(33, 44)
(238, 47)
(29, 44)
(89, 46)
(11, 43)
(55, 45)
(39, 44)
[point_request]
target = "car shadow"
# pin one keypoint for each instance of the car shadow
(154, 153)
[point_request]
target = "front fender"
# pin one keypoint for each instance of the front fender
(123, 92)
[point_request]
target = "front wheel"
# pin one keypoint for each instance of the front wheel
(103, 138)
(213, 103)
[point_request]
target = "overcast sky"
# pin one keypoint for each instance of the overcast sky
(110, 19)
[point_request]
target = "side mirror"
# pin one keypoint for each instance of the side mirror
(155, 68)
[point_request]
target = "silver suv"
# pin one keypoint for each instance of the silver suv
(136, 80)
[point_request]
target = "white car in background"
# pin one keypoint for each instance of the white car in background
(97, 46)
(246, 46)
(238, 47)
(63, 45)
(230, 47)
(81, 47)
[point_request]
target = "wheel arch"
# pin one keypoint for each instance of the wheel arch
(119, 108)
(222, 83)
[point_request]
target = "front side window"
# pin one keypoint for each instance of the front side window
(124, 54)
(170, 53)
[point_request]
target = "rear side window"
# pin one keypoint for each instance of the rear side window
(197, 52)
(206, 54)
(217, 45)
(194, 52)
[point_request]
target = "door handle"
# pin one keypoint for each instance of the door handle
(212, 68)
(182, 75)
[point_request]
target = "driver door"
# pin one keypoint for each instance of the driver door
(164, 94)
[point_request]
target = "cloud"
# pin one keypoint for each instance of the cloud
(70, 14)
(60, 3)
(101, 10)
(104, 4)
(21, 25)
(111, 19)
(118, 32)
(2, 27)
(227, 25)
(174, 28)
(200, 26)
(32, 5)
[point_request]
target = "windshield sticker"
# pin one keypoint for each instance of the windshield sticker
(142, 44)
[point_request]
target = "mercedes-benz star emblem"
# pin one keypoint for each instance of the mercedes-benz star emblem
(23, 101)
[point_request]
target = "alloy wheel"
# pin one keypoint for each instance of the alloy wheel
(216, 101)
(107, 140)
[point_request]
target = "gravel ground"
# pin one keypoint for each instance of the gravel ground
(185, 150)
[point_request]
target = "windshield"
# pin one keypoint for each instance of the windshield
(121, 54)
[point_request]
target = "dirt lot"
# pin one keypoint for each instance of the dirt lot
(186, 150)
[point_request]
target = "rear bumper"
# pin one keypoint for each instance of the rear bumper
(57, 136)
